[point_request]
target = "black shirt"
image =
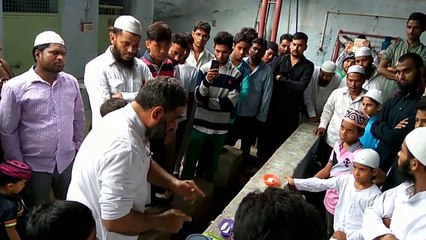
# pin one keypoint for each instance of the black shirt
(12, 213)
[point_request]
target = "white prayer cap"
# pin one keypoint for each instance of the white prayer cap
(416, 144)
(328, 67)
(367, 157)
(363, 52)
(375, 94)
(129, 24)
(356, 69)
(48, 37)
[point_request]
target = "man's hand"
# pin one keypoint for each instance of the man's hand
(277, 77)
(314, 119)
(387, 237)
(387, 222)
(348, 47)
(290, 180)
(187, 189)
(319, 131)
(212, 74)
(173, 220)
(339, 235)
(402, 124)
(118, 95)
(380, 177)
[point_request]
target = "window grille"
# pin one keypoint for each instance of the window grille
(30, 6)
(111, 7)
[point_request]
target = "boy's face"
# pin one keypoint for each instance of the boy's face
(241, 49)
(363, 174)
(158, 50)
(349, 132)
(420, 118)
(370, 107)
(17, 187)
(222, 53)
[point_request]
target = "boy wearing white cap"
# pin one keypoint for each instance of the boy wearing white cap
(356, 192)
(116, 73)
(42, 119)
(372, 103)
(323, 81)
(399, 213)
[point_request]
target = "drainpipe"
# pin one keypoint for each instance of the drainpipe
(288, 16)
(276, 22)
(262, 19)
(297, 15)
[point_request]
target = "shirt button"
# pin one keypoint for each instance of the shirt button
(59, 130)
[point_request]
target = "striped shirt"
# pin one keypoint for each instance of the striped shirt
(165, 69)
(216, 100)
(42, 124)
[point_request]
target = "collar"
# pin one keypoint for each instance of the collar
(416, 44)
(36, 78)
(137, 122)
(352, 148)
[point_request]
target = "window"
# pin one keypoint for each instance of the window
(113, 7)
(30, 6)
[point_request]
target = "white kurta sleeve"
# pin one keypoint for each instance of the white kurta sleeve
(316, 184)
(309, 103)
(328, 110)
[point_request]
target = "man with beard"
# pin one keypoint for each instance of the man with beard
(252, 107)
(113, 169)
(324, 80)
(397, 108)
(42, 120)
(399, 213)
(284, 47)
(116, 73)
(199, 55)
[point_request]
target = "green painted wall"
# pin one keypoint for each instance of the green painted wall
(19, 34)
(103, 37)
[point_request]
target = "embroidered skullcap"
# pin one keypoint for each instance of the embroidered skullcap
(356, 69)
(328, 67)
(48, 37)
(367, 157)
(375, 95)
(356, 117)
(129, 24)
(16, 169)
(416, 144)
(363, 52)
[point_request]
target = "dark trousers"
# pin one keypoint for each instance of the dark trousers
(246, 129)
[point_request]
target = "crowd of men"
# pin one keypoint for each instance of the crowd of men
(161, 117)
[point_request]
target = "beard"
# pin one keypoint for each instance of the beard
(158, 131)
(127, 64)
(404, 169)
(323, 83)
(409, 87)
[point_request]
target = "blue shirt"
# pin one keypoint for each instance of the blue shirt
(367, 139)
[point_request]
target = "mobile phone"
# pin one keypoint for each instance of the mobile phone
(215, 64)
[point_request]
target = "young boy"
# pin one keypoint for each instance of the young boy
(341, 158)
(13, 176)
(372, 103)
(356, 192)
(112, 104)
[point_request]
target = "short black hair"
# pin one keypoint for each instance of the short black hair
(250, 31)
(67, 220)
(421, 104)
(162, 91)
(40, 48)
(159, 32)
(419, 17)
(190, 39)
(243, 37)
(276, 214)
(418, 61)
(300, 36)
(273, 46)
(286, 36)
(182, 40)
(6, 179)
(262, 42)
(111, 105)
(224, 38)
(203, 25)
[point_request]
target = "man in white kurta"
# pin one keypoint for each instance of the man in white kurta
(403, 206)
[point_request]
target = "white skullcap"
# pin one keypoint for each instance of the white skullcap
(328, 67)
(129, 24)
(356, 69)
(367, 157)
(48, 37)
(363, 51)
(416, 144)
(375, 94)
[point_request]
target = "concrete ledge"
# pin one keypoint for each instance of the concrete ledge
(282, 163)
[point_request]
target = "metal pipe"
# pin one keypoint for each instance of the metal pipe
(350, 14)
(297, 15)
(263, 10)
(276, 22)
(288, 16)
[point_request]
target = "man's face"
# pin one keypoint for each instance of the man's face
(200, 38)
(297, 47)
(158, 50)
(256, 52)
(177, 54)
(347, 63)
(354, 82)
(125, 45)
(52, 59)
(420, 118)
(365, 61)
(407, 75)
(240, 50)
(222, 53)
(325, 78)
(348, 132)
(166, 124)
(404, 165)
(414, 30)
(269, 55)
(284, 47)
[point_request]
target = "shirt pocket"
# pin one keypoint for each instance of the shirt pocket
(37, 101)
(116, 84)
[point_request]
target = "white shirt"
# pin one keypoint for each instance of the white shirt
(376, 81)
(187, 75)
(351, 205)
(204, 57)
(406, 209)
(104, 76)
(334, 110)
(110, 171)
(315, 96)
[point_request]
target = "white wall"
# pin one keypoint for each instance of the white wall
(232, 15)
